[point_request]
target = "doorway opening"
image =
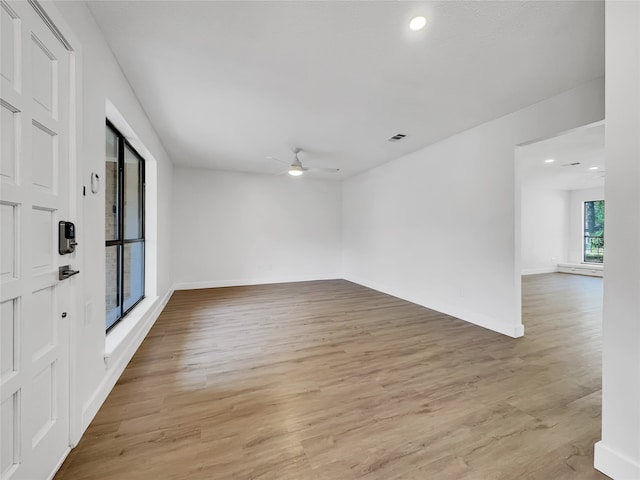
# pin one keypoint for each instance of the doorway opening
(560, 200)
(560, 259)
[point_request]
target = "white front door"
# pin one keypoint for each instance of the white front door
(36, 307)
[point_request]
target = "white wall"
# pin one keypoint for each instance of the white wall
(618, 454)
(436, 227)
(545, 229)
(101, 80)
(240, 228)
(552, 226)
(576, 219)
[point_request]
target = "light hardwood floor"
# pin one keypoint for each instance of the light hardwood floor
(331, 380)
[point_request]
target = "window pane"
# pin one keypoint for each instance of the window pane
(594, 231)
(112, 295)
(132, 196)
(133, 273)
(111, 187)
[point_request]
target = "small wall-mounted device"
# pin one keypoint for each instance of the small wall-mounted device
(66, 238)
(95, 182)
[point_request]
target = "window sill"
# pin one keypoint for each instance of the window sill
(120, 336)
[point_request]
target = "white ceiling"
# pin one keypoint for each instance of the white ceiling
(227, 84)
(584, 146)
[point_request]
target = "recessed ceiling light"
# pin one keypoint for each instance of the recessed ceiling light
(593, 168)
(549, 160)
(417, 23)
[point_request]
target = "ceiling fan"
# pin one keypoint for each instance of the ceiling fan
(296, 168)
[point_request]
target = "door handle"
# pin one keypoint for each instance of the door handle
(66, 272)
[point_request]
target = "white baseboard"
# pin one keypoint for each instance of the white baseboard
(614, 464)
(511, 330)
(538, 271)
(251, 281)
(60, 462)
(116, 363)
(593, 270)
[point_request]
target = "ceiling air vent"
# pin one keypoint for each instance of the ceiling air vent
(397, 136)
(570, 164)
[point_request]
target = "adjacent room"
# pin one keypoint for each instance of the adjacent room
(561, 184)
(320, 240)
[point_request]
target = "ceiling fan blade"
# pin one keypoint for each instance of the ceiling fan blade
(278, 160)
(321, 169)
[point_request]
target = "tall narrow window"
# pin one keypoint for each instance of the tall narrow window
(593, 251)
(124, 226)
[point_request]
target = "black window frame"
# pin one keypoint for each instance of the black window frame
(121, 241)
(594, 242)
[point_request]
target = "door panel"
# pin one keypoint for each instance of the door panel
(9, 121)
(35, 195)
(10, 37)
(8, 259)
(9, 415)
(8, 337)
(43, 160)
(43, 75)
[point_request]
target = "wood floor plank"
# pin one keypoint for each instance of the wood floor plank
(331, 380)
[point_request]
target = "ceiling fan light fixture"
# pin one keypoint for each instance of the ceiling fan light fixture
(295, 170)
